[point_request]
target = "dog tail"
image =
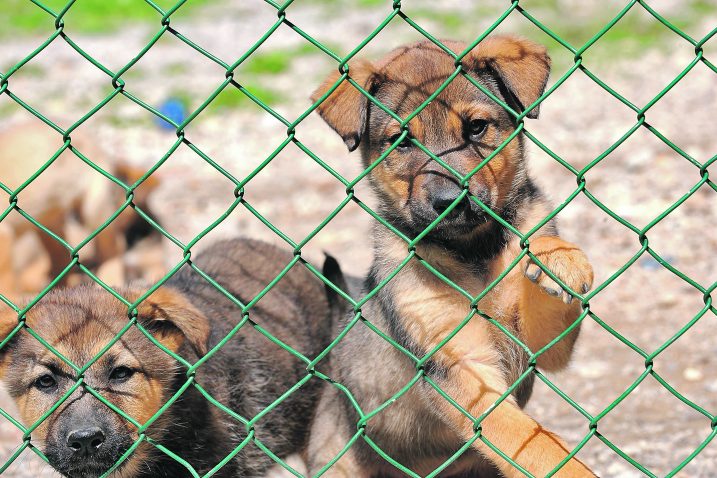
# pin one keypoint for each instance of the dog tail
(332, 272)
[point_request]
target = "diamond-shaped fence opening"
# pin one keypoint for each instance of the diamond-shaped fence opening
(294, 37)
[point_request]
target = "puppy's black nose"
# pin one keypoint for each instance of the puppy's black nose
(442, 198)
(85, 441)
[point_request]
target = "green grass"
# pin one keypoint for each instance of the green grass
(373, 3)
(21, 17)
(32, 70)
(334, 6)
(449, 22)
(629, 38)
(134, 73)
(127, 122)
(7, 108)
(177, 68)
(701, 7)
(272, 62)
(231, 98)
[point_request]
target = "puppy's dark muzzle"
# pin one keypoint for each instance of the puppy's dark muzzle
(88, 452)
(442, 194)
(86, 441)
(442, 199)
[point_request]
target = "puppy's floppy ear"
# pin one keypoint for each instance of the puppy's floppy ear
(172, 319)
(520, 65)
(345, 109)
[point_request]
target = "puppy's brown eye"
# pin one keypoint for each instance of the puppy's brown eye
(121, 374)
(403, 145)
(476, 129)
(45, 382)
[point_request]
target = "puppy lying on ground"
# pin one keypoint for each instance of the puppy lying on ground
(83, 438)
(421, 429)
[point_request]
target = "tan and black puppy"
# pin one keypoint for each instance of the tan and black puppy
(422, 430)
(83, 438)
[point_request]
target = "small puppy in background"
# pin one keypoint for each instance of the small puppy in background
(477, 364)
(71, 200)
(84, 438)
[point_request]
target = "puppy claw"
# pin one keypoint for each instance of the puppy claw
(553, 292)
(532, 272)
(566, 261)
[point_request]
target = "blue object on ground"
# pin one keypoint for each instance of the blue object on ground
(173, 109)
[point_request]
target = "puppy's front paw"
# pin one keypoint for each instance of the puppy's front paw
(566, 261)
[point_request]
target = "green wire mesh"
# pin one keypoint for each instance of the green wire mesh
(393, 13)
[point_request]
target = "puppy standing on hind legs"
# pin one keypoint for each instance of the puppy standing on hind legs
(462, 126)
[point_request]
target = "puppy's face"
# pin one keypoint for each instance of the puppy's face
(462, 126)
(83, 437)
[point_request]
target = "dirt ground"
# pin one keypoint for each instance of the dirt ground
(643, 177)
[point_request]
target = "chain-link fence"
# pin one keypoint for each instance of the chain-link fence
(394, 12)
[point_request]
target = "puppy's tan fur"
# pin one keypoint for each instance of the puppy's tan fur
(475, 367)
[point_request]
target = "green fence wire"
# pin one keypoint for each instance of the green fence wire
(394, 13)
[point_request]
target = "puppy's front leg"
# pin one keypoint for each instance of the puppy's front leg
(329, 433)
(476, 386)
(545, 309)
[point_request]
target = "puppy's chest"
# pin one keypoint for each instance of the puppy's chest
(431, 310)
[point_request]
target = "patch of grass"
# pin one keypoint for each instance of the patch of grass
(7, 108)
(628, 29)
(449, 22)
(273, 62)
(31, 70)
(231, 98)
(134, 73)
(627, 39)
(178, 68)
(21, 17)
(372, 3)
(340, 5)
(270, 62)
(702, 7)
(127, 122)
(636, 31)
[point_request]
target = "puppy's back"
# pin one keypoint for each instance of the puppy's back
(250, 372)
(294, 310)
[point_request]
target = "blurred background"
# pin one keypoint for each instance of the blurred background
(638, 57)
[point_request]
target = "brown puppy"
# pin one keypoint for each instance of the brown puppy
(68, 198)
(422, 430)
(83, 438)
